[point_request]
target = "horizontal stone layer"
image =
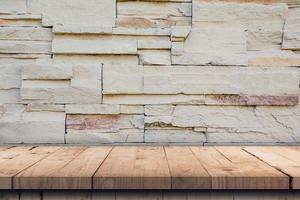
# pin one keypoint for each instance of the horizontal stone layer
(72, 12)
(79, 46)
(200, 80)
(16, 46)
(211, 45)
(47, 71)
(103, 123)
(26, 33)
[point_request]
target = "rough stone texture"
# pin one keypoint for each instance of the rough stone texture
(153, 71)
(104, 123)
(123, 80)
(74, 12)
(275, 58)
(19, 126)
(153, 14)
(73, 29)
(174, 136)
(124, 136)
(199, 80)
(154, 57)
(94, 46)
(132, 109)
(58, 83)
(289, 2)
(263, 23)
(38, 107)
(284, 100)
(212, 45)
(291, 36)
(16, 46)
(120, 60)
(237, 124)
(10, 96)
(93, 109)
(154, 99)
(10, 76)
(225, 80)
(15, 6)
(26, 33)
(47, 71)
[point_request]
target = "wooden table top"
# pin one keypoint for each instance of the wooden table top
(144, 167)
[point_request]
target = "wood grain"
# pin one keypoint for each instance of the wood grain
(134, 168)
(13, 166)
(12, 152)
(38, 176)
(186, 171)
(146, 167)
(285, 159)
(77, 174)
(232, 168)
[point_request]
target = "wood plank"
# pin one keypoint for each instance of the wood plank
(78, 173)
(2, 148)
(13, 152)
(37, 176)
(15, 165)
(233, 168)
(273, 179)
(134, 168)
(186, 171)
(285, 159)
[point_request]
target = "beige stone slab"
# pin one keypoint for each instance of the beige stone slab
(121, 60)
(123, 136)
(85, 46)
(252, 15)
(252, 100)
(154, 9)
(10, 76)
(154, 57)
(154, 99)
(103, 123)
(25, 33)
(141, 31)
(291, 36)
(219, 80)
(47, 72)
(159, 110)
(61, 95)
(274, 58)
(14, 46)
(263, 23)
(291, 3)
(93, 109)
(122, 79)
(180, 33)
(212, 45)
(151, 21)
(8, 6)
(77, 12)
(174, 136)
(73, 29)
(37, 127)
(11, 96)
(241, 124)
(39, 107)
(132, 109)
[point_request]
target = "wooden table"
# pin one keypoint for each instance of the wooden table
(144, 167)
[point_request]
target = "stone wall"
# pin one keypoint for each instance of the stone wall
(150, 71)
